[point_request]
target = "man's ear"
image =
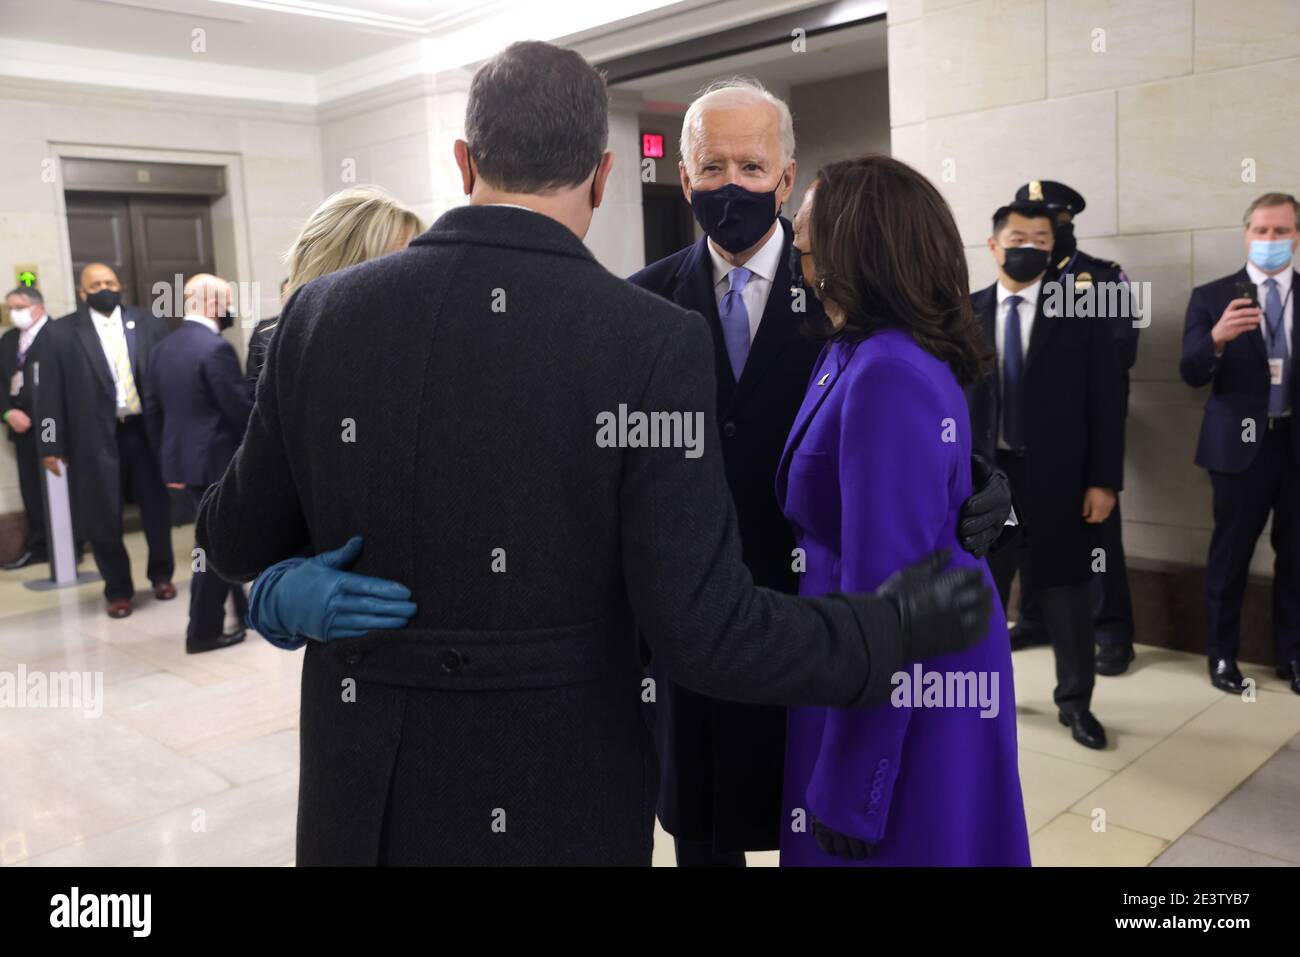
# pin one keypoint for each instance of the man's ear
(466, 166)
(786, 186)
(602, 177)
(686, 180)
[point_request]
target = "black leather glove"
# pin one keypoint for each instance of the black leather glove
(984, 515)
(941, 611)
(841, 845)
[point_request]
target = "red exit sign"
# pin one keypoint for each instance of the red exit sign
(652, 145)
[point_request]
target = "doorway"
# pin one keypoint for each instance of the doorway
(147, 240)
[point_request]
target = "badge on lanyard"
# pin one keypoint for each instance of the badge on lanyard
(1275, 371)
(16, 382)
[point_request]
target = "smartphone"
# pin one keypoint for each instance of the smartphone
(1245, 289)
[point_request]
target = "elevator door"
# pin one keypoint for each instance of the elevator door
(145, 239)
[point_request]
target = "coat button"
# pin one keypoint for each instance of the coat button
(729, 429)
(452, 661)
(353, 658)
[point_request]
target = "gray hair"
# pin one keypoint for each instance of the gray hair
(537, 118)
(1273, 199)
(733, 92)
(31, 293)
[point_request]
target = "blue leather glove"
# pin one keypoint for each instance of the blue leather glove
(302, 598)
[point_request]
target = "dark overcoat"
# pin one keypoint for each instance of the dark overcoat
(1074, 431)
(722, 761)
(450, 403)
(76, 412)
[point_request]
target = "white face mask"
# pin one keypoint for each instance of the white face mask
(21, 318)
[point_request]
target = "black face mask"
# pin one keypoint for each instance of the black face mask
(734, 217)
(1023, 263)
(795, 264)
(104, 301)
(1063, 240)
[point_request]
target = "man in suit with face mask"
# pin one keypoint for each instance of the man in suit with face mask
(196, 405)
(1051, 414)
(721, 762)
(1113, 621)
(89, 393)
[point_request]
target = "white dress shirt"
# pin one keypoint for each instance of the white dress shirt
(763, 264)
(1026, 311)
(1259, 277)
(112, 337)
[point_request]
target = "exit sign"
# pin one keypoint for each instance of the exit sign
(26, 275)
(652, 145)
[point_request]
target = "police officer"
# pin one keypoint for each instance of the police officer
(1114, 610)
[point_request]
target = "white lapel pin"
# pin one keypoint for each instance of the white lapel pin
(822, 380)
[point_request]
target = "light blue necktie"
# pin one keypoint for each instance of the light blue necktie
(735, 320)
(1277, 347)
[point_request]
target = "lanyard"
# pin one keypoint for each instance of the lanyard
(1270, 338)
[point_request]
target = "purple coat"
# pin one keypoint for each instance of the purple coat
(874, 474)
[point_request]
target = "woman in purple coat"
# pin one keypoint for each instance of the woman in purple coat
(874, 473)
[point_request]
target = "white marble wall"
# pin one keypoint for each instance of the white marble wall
(836, 119)
(401, 138)
(1152, 110)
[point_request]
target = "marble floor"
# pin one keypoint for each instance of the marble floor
(194, 758)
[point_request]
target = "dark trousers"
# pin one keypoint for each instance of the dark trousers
(1112, 602)
(1066, 609)
(1242, 504)
(29, 484)
(208, 592)
(702, 854)
(139, 473)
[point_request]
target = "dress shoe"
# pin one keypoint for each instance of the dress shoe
(120, 608)
(1225, 675)
(1114, 659)
(1290, 672)
(1026, 634)
(1084, 728)
(164, 591)
(22, 561)
(212, 644)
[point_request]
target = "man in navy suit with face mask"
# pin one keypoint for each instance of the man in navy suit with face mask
(1240, 337)
(721, 762)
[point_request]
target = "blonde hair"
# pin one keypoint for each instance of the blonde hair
(351, 226)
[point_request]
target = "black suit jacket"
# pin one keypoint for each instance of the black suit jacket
(1074, 432)
(457, 431)
(1238, 379)
(77, 395)
(196, 404)
(24, 401)
(723, 762)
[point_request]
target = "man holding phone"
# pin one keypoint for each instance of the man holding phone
(1240, 336)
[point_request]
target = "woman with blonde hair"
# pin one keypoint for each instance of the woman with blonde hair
(350, 227)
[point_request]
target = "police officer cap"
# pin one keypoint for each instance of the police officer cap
(1054, 195)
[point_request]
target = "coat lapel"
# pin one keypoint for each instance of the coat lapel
(84, 327)
(826, 373)
(776, 330)
(694, 290)
(1044, 327)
